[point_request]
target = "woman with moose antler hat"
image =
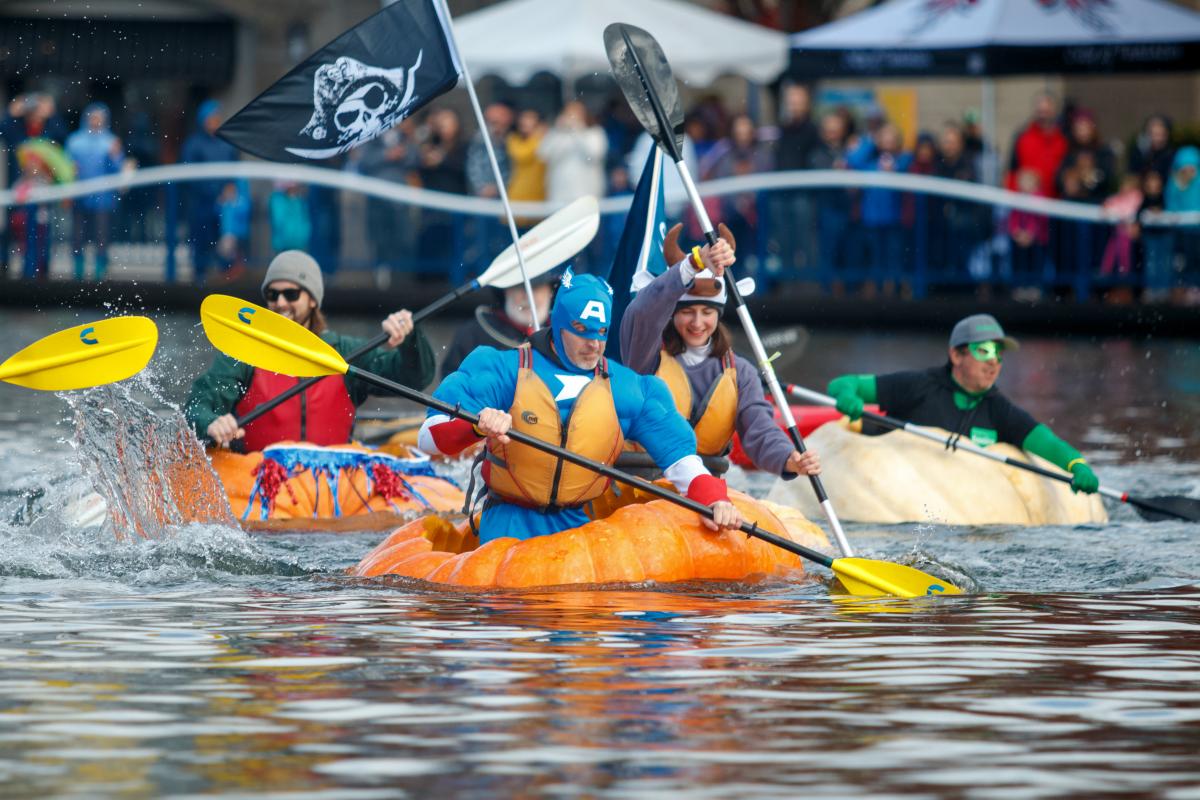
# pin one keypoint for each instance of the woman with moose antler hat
(672, 329)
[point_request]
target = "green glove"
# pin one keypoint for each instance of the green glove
(1085, 480)
(851, 405)
(851, 392)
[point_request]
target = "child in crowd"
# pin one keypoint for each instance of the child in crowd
(291, 220)
(1122, 209)
(1030, 234)
(233, 208)
(1183, 195)
(1157, 240)
(29, 225)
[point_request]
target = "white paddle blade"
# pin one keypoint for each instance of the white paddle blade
(554, 240)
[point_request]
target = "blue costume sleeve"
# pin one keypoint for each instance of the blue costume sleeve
(487, 378)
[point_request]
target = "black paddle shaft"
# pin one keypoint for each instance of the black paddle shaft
(368, 346)
(748, 528)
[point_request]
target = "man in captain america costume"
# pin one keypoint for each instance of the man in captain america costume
(559, 388)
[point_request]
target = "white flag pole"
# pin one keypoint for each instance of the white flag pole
(487, 143)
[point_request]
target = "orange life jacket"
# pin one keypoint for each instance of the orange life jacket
(322, 414)
(714, 417)
(522, 475)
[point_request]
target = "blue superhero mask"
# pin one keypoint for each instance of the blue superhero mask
(583, 306)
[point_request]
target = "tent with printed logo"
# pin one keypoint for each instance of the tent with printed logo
(929, 38)
(995, 38)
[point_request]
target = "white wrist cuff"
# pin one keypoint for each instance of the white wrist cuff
(681, 473)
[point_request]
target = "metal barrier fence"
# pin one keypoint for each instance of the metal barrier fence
(807, 226)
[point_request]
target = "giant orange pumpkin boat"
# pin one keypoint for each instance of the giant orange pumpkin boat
(644, 540)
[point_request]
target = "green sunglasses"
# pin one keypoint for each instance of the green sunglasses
(987, 351)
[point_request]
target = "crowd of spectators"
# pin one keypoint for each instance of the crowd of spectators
(869, 239)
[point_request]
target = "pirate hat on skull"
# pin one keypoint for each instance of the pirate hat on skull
(353, 102)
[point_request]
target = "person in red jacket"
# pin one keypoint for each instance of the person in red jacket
(1041, 146)
(322, 414)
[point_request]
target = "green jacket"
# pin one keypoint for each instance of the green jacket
(217, 391)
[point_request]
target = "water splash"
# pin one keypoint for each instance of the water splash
(88, 559)
(148, 466)
(138, 504)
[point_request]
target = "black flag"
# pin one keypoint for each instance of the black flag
(352, 89)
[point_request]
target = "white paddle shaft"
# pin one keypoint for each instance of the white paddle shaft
(487, 143)
(760, 354)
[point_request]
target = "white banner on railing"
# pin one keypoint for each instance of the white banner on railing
(476, 206)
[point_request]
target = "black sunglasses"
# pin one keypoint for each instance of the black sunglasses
(291, 295)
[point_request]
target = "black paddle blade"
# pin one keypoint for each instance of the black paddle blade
(1167, 507)
(646, 80)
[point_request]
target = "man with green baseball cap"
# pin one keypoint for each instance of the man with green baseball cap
(961, 397)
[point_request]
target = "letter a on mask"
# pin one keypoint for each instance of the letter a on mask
(594, 310)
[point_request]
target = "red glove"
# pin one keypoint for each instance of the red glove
(706, 490)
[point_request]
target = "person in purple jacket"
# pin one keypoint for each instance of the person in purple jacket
(672, 329)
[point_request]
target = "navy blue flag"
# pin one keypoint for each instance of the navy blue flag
(352, 89)
(639, 257)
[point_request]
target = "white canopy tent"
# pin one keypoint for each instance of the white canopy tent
(516, 39)
(990, 38)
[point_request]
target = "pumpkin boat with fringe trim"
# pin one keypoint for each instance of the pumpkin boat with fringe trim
(294, 485)
(643, 540)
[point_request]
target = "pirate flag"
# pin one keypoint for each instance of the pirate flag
(352, 89)
(638, 259)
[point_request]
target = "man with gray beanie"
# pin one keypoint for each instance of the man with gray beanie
(324, 413)
(961, 397)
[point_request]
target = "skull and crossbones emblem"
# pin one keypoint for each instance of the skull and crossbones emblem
(354, 102)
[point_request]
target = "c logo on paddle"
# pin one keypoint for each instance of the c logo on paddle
(935, 588)
(244, 314)
(85, 333)
(529, 417)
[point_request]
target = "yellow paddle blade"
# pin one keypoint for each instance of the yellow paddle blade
(86, 355)
(264, 339)
(869, 578)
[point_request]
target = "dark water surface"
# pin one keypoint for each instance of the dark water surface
(202, 661)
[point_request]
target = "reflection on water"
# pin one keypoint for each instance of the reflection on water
(200, 661)
(614, 694)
